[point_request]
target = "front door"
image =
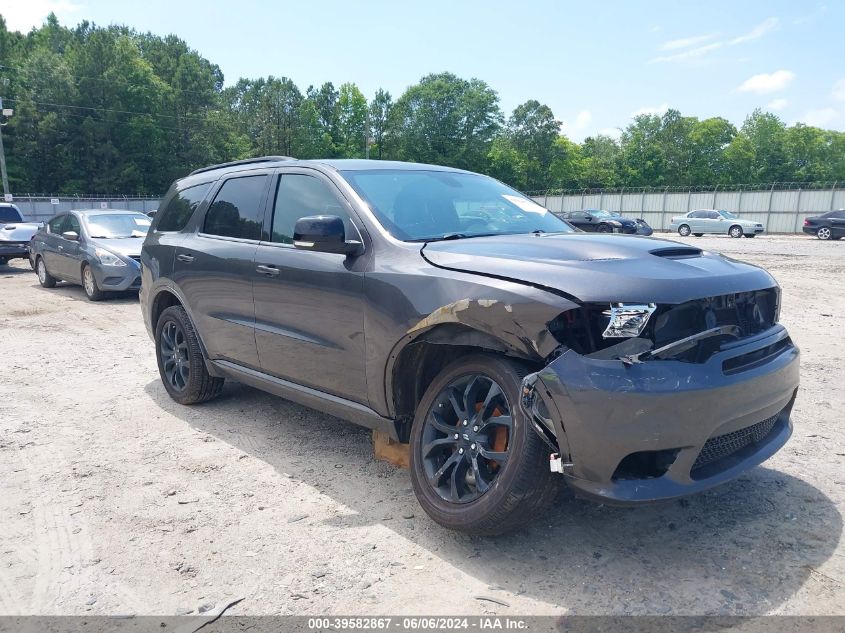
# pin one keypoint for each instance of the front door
(51, 239)
(309, 314)
(69, 259)
(214, 267)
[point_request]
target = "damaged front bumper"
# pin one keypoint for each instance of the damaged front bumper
(629, 433)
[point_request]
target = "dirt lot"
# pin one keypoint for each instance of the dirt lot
(116, 500)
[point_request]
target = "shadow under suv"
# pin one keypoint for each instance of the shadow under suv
(452, 313)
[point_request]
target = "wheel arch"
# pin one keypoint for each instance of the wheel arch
(166, 297)
(413, 366)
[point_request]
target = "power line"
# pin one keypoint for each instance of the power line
(98, 109)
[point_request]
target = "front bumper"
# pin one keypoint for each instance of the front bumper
(633, 434)
(117, 278)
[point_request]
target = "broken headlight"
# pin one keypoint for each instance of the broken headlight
(626, 320)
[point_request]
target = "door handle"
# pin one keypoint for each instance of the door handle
(270, 271)
(185, 258)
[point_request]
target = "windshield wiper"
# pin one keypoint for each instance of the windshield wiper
(452, 236)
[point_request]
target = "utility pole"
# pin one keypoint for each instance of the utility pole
(5, 177)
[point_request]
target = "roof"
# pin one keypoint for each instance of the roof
(105, 212)
(338, 164)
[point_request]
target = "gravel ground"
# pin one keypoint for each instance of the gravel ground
(116, 500)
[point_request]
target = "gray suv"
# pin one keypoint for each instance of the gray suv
(463, 320)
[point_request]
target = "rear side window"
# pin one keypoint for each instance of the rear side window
(10, 214)
(236, 210)
(178, 211)
(55, 225)
(299, 196)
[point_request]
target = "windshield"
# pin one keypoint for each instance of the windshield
(420, 205)
(117, 225)
(9, 214)
(728, 215)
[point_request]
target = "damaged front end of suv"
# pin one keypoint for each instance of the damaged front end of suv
(649, 401)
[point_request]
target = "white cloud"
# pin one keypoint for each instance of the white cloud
(613, 132)
(698, 52)
(686, 42)
(582, 120)
(756, 33)
(821, 117)
(24, 15)
(839, 90)
(777, 104)
(809, 17)
(765, 83)
(659, 110)
(691, 54)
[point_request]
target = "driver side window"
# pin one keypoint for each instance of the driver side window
(55, 225)
(298, 196)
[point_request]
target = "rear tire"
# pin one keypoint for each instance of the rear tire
(516, 484)
(824, 233)
(89, 284)
(698, 234)
(735, 231)
(181, 364)
(684, 230)
(44, 278)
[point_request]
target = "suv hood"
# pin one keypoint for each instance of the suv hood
(18, 231)
(601, 268)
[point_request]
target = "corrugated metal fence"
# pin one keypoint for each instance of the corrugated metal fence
(42, 208)
(781, 210)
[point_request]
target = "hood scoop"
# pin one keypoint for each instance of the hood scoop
(677, 252)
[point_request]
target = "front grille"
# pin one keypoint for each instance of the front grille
(722, 446)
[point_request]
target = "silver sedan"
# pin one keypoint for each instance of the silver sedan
(100, 249)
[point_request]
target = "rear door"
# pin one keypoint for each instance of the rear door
(214, 266)
(50, 239)
(309, 307)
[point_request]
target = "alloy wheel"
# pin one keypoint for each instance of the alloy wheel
(88, 281)
(683, 230)
(173, 347)
(823, 233)
(736, 231)
(42, 271)
(465, 438)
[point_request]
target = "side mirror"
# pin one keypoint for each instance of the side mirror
(73, 236)
(324, 234)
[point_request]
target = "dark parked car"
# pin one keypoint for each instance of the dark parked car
(452, 313)
(15, 233)
(602, 221)
(97, 248)
(828, 226)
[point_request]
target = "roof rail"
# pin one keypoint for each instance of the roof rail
(246, 161)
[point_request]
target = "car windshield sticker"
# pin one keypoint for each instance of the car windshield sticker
(525, 204)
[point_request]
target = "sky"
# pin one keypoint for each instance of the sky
(596, 64)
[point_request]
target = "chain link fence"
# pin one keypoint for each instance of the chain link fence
(781, 207)
(42, 207)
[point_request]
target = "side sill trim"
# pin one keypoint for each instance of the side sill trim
(321, 401)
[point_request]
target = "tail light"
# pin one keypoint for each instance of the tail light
(806, 222)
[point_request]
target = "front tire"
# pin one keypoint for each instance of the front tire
(44, 278)
(89, 284)
(684, 230)
(180, 360)
(604, 228)
(477, 465)
(824, 233)
(735, 231)
(698, 234)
